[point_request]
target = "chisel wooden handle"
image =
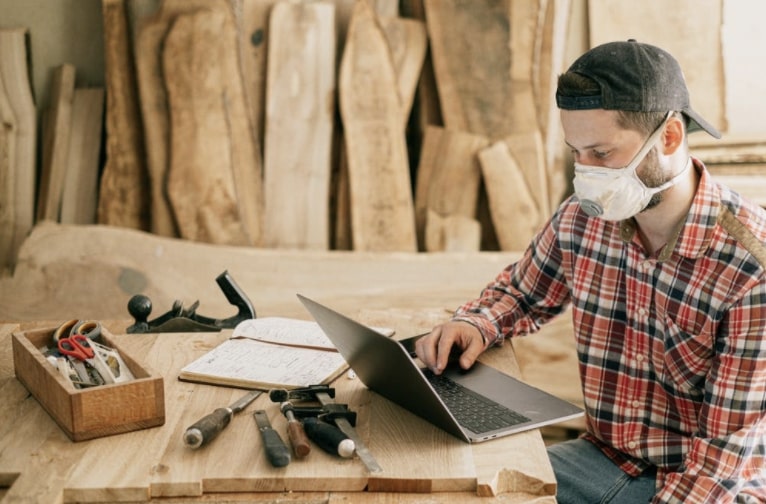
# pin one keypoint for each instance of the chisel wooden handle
(276, 449)
(328, 437)
(295, 431)
(207, 427)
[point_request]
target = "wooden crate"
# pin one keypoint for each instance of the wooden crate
(92, 412)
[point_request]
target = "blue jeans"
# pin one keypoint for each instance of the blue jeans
(586, 476)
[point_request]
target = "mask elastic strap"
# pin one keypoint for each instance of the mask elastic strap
(674, 180)
(648, 145)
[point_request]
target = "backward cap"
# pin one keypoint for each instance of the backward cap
(634, 76)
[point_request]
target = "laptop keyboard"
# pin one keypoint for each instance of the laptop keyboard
(472, 410)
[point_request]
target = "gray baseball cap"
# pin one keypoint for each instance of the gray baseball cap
(637, 77)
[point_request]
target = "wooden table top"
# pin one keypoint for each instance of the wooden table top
(421, 463)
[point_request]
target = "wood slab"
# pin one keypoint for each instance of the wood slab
(408, 41)
(448, 179)
(514, 212)
(300, 115)
(214, 182)
(124, 198)
(252, 18)
(472, 63)
(150, 34)
(549, 63)
(79, 197)
(8, 133)
(14, 72)
(525, 138)
(61, 267)
(56, 143)
(451, 233)
(382, 214)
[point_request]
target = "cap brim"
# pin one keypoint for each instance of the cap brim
(697, 123)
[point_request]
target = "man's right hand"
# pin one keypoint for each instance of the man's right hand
(434, 348)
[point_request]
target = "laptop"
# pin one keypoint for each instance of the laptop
(475, 405)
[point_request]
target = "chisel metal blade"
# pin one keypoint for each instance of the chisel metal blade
(208, 427)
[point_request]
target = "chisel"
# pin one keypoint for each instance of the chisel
(209, 426)
(276, 449)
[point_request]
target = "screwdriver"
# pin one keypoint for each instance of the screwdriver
(208, 427)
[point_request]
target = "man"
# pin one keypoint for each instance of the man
(664, 271)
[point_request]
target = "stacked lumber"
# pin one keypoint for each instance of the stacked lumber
(295, 125)
(328, 125)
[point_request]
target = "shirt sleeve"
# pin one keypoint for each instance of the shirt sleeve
(728, 450)
(524, 295)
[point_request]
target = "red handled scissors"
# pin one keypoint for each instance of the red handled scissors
(76, 346)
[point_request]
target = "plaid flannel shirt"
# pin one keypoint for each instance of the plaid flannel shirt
(671, 347)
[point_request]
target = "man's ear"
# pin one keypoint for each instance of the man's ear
(673, 135)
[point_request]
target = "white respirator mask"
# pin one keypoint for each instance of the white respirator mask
(615, 194)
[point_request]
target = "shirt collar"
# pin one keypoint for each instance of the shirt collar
(695, 232)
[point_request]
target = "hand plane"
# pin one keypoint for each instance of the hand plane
(180, 319)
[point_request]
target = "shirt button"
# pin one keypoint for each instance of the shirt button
(642, 311)
(640, 358)
(636, 404)
(632, 444)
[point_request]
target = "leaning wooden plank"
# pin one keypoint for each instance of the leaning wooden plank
(300, 111)
(124, 198)
(8, 132)
(448, 177)
(552, 36)
(202, 185)
(150, 35)
(80, 191)
(14, 73)
(247, 164)
(472, 64)
(525, 138)
(451, 233)
(253, 26)
(407, 40)
(514, 211)
(382, 214)
(56, 144)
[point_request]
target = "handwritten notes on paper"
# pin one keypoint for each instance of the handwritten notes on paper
(270, 352)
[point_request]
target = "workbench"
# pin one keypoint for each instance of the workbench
(421, 463)
(91, 272)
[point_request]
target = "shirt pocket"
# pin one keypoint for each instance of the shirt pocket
(683, 361)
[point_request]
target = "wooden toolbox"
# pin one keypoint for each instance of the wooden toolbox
(89, 412)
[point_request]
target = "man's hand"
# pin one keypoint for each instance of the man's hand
(434, 348)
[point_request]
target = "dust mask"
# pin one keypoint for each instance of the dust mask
(618, 193)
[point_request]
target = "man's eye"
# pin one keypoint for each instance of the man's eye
(600, 154)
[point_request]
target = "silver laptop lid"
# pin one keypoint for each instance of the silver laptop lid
(384, 366)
